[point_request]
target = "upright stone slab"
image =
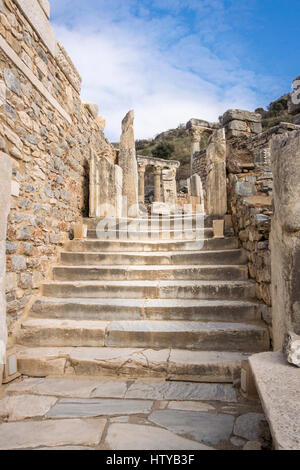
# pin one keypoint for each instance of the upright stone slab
(216, 187)
(285, 236)
(106, 182)
(128, 163)
(5, 192)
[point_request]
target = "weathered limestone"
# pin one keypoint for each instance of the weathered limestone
(121, 437)
(196, 129)
(142, 170)
(51, 433)
(5, 192)
(106, 182)
(165, 188)
(216, 187)
(277, 383)
(128, 163)
(39, 19)
(238, 123)
(291, 349)
(294, 99)
(285, 236)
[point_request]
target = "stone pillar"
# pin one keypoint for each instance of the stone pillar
(195, 135)
(157, 184)
(128, 163)
(106, 182)
(285, 236)
(142, 170)
(5, 193)
(216, 184)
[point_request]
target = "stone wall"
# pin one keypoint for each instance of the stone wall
(250, 194)
(285, 239)
(49, 134)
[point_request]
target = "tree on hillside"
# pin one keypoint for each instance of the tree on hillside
(163, 150)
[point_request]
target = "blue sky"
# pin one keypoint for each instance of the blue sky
(171, 60)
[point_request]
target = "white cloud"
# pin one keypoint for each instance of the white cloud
(151, 64)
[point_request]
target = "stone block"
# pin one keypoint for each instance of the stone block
(296, 120)
(46, 7)
(101, 121)
(216, 185)
(80, 231)
(38, 19)
(128, 163)
(291, 349)
(278, 386)
(294, 98)
(284, 240)
(5, 196)
(92, 108)
(248, 386)
(240, 115)
(218, 226)
(15, 188)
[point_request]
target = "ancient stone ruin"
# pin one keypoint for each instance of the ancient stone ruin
(176, 305)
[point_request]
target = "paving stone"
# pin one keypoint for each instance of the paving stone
(77, 408)
(190, 406)
(247, 426)
(237, 442)
(252, 445)
(120, 419)
(182, 391)
(122, 437)
(74, 432)
(70, 387)
(19, 407)
(205, 427)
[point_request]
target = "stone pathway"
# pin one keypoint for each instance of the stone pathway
(106, 414)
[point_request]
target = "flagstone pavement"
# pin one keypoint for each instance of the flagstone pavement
(105, 414)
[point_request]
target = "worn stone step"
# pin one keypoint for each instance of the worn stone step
(188, 335)
(193, 219)
(143, 234)
(144, 334)
(156, 309)
(204, 290)
(148, 246)
(201, 366)
(220, 257)
(127, 273)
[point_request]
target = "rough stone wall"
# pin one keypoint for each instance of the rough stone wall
(49, 134)
(199, 166)
(250, 193)
(285, 236)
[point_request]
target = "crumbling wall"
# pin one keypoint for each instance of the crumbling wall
(250, 193)
(49, 134)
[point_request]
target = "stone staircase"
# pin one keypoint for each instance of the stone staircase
(168, 308)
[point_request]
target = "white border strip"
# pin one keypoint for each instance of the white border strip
(29, 74)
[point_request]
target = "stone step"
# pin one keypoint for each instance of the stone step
(207, 336)
(143, 234)
(201, 366)
(162, 258)
(203, 290)
(156, 309)
(194, 219)
(148, 246)
(139, 273)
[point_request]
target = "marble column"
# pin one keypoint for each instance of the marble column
(142, 170)
(157, 184)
